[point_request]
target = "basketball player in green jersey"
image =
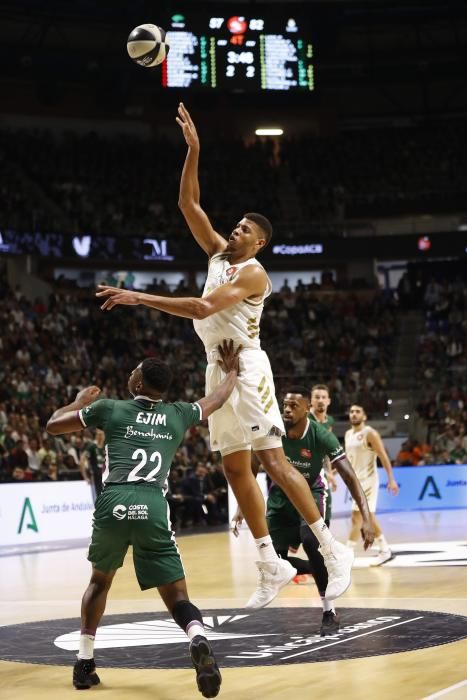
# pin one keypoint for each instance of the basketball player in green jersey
(231, 306)
(307, 445)
(319, 402)
(142, 436)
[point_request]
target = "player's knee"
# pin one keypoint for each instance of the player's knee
(100, 583)
(276, 465)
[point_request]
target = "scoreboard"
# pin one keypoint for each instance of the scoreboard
(238, 52)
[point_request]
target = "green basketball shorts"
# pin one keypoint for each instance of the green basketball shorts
(136, 515)
(284, 521)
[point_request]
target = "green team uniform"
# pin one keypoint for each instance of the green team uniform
(329, 425)
(307, 454)
(142, 437)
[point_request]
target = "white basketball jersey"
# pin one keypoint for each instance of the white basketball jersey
(361, 456)
(239, 322)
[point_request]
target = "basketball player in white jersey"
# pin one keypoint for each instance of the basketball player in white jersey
(231, 307)
(363, 445)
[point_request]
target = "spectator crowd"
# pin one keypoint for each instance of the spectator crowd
(439, 430)
(51, 349)
(124, 185)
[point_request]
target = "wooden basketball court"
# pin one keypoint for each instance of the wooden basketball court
(47, 586)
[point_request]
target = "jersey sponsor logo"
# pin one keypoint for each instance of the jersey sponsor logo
(119, 511)
(138, 511)
(277, 636)
(304, 452)
(132, 432)
(151, 418)
(231, 271)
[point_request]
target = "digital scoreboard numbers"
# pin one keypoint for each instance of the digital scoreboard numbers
(239, 53)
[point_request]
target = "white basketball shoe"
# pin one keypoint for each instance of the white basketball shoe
(271, 578)
(338, 560)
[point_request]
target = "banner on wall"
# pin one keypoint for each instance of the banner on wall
(420, 488)
(48, 512)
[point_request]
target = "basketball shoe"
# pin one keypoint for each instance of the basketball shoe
(271, 578)
(329, 623)
(208, 675)
(383, 557)
(338, 560)
(84, 674)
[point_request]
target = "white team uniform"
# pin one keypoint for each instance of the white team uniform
(363, 461)
(251, 416)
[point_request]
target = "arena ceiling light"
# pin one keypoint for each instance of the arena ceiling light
(269, 131)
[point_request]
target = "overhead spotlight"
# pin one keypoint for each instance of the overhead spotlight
(407, 416)
(269, 131)
(389, 402)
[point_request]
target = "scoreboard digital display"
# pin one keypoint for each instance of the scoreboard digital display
(238, 52)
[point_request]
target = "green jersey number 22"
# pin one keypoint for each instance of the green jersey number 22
(143, 457)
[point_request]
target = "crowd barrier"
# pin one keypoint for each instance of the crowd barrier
(420, 488)
(52, 512)
(45, 512)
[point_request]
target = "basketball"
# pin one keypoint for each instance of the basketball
(147, 45)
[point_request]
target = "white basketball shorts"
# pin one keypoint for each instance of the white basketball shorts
(250, 418)
(370, 488)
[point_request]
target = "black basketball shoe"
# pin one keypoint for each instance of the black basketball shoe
(84, 674)
(329, 623)
(208, 675)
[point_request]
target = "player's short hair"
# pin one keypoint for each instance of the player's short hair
(320, 387)
(297, 389)
(156, 375)
(264, 224)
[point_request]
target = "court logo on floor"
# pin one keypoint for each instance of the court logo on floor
(272, 636)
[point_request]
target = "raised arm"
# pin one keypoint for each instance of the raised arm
(189, 197)
(375, 442)
(66, 419)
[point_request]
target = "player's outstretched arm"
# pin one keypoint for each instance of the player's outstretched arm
(375, 442)
(250, 282)
(66, 419)
(350, 479)
(229, 362)
(189, 197)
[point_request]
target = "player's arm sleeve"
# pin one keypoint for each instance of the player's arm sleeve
(334, 449)
(96, 414)
(191, 413)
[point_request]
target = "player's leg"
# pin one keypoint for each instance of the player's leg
(109, 544)
(158, 565)
(355, 527)
(274, 573)
(237, 469)
(338, 558)
(189, 618)
(284, 527)
(330, 619)
(92, 609)
(385, 553)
